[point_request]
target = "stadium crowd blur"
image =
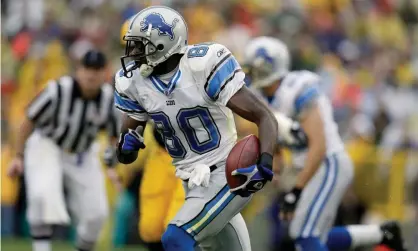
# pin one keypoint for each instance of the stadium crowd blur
(366, 52)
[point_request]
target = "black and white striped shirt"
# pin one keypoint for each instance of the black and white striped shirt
(71, 121)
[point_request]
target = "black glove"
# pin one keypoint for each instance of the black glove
(109, 157)
(288, 202)
(301, 141)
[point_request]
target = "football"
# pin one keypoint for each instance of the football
(244, 154)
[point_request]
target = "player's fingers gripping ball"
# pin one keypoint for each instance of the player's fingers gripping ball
(244, 175)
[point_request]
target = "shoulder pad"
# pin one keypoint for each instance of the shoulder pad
(310, 75)
(123, 83)
(200, 57)
(298, 79)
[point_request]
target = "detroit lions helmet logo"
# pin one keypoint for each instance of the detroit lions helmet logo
(262, 53)
(157, 22)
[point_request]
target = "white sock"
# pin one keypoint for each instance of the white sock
(365, 235)
(41, 245)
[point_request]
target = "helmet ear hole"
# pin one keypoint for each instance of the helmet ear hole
(160, 47)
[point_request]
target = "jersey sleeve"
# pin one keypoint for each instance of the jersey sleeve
(125, 102)
(40, 109)
(222, 75)
(306, 98)
(305, 88)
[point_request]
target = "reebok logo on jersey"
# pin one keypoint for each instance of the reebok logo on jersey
(220, 52)
(170, 102)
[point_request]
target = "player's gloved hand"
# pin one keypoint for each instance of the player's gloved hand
(200, 176)
(109, 157)
(290, 132)
(288, 202)
(131, 141)
(300, 141)
(256, 176)
(128, 146)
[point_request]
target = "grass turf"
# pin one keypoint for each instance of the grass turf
(11, 244)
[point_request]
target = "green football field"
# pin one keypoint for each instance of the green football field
(25, 245)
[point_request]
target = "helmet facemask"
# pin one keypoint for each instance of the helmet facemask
(261, 73)
(136, 51)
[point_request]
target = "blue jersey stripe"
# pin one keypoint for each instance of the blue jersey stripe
(316, 198)
(305, 97)
(173, 81)
(220, 77)
(158, 84)
(127, 104)
(166, 88)
(324, 202)
(216, 213)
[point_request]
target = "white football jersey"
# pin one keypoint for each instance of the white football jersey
(297, 90)
(188, 109)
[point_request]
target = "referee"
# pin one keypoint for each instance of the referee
(56, 146)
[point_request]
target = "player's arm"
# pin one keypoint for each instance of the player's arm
(308, 114)
(38, 111)
(312, 124)
(248, 106)
(133, 123)
(224, 85)
(109, 156)
(25, 130)
(131, 140)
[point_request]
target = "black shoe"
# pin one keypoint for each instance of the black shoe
(392, 236)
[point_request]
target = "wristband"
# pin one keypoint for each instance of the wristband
(296, 191)
(266, 160)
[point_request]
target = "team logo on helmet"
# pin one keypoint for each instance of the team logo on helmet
(262, 53)
(157, 22)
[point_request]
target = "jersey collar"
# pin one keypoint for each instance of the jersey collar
(166, 89)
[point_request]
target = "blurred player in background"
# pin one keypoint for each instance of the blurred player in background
(161, 192)
(306, 125)
(190, 93)
(56, 148)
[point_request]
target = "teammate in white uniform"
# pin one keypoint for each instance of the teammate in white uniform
(190, 93)
(307, 126)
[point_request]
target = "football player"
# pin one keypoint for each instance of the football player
(161, 192)
(307, 126)
(191, 92)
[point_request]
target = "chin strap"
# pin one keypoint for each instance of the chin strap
(145, 70)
